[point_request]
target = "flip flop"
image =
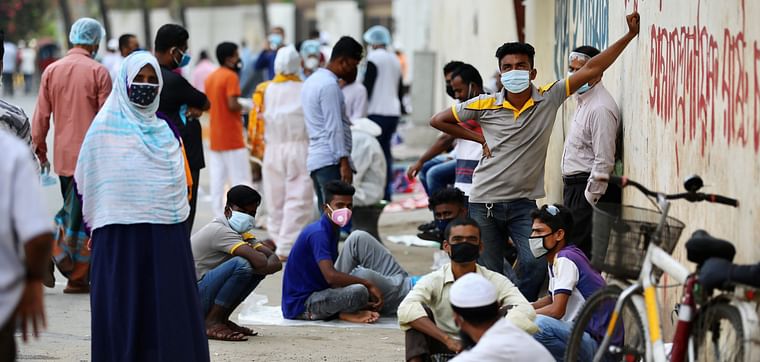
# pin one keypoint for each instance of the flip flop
(243, 330)
(222, 332)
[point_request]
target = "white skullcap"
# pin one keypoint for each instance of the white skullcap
(366, 125)
(86, 31)
(472, 290)
(113, 44)
(287, 61)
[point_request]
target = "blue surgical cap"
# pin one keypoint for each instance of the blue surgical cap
(310, 47)
(377, 35)
(86, 31)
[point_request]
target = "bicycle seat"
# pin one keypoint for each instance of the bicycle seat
(702, 246)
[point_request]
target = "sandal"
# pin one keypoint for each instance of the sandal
(240, 329)
(222, 332)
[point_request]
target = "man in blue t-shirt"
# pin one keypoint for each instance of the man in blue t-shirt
(572, 281)
(361, 284)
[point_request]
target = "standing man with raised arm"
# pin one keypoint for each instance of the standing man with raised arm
(517, 124)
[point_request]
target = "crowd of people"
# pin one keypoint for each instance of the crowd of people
(128, 151)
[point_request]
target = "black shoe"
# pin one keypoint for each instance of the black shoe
(427, 226)
(431, 235)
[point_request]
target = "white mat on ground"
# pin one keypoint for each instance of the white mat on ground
(255, 312)
(412, 240)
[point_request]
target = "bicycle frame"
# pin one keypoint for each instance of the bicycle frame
(658, 257)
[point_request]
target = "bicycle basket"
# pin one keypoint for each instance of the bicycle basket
(621, 235)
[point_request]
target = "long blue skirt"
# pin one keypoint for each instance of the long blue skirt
(144, 298)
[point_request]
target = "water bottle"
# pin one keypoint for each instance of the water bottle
(45, 178)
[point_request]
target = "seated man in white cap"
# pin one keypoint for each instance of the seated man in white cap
(369, 179)
(426, 314)
(476, 312)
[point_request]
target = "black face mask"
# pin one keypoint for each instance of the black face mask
(464, 252)
(466, 341)
(450, 90)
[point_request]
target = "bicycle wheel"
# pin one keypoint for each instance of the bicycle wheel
(629, 341)
(718, 334)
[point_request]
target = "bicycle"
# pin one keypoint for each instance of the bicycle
(628, 243)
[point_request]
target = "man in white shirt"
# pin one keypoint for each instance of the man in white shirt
(10, 58)
(589, 149)
(426, 315)
(383, 81)
(476, 312)
(26, 240)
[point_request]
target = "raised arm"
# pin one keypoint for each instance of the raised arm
(446, 122)
(598, 64)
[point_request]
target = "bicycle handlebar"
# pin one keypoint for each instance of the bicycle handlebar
(624, 181)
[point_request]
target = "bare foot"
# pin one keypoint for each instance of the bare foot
(362, 316)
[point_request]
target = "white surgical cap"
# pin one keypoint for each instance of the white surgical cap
(310, 47)
(472, 290)
(377, 35)
(287, 61)
(86, 31)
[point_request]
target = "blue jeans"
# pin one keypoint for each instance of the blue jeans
(510, 220)
(228, 284)
(320, 177)
(554, 334)
(388, 125)
(437, 173)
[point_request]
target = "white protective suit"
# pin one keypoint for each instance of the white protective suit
(288, 189)
(369, 162)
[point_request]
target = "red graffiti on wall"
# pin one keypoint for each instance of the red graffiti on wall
(694, 80)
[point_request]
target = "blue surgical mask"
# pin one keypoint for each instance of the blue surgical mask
(142, 94)
(184, 61)
(275, 40)
(241, 222)
(516, 81)
(583, 89)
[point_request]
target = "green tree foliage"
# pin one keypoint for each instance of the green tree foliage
(25, 18)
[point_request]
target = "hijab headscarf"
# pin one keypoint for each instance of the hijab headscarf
(131, 167)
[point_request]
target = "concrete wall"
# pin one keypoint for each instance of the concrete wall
(208, 26)
(339, 18)
(689, 91)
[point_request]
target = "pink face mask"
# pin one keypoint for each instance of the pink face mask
(340, 217)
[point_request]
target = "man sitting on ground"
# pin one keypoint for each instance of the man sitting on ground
(361, 284)
(227, 266)
(572, 281)
(476, 312)
(446, 204)
(426, 314)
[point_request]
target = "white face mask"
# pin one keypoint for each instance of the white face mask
(537, 247)
(311, 63)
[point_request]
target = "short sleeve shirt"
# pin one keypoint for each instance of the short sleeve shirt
(518, 140)
(22, 217)
(213, 245)
(226, 125)
(317, 242)
(572, 274)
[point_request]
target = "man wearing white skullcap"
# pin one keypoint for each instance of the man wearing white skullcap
(476, 312)
(426, 314)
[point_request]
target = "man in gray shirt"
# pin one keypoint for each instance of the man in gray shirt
(517, 124)
(589, 150)
(229, 263)
(327, 124)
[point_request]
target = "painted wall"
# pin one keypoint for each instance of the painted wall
(689, 91)
(339, 18)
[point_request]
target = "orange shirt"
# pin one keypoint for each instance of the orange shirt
(226, 125)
